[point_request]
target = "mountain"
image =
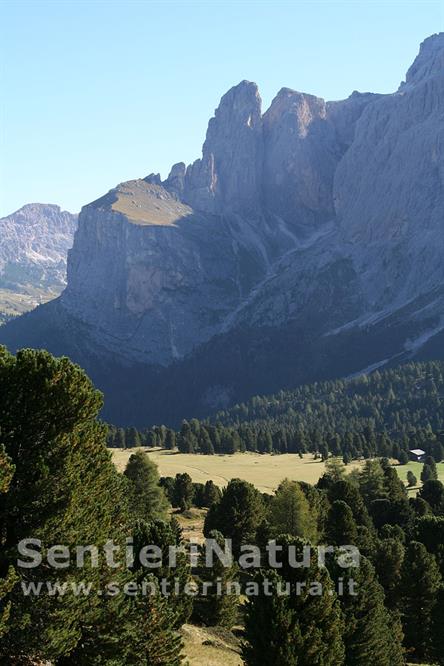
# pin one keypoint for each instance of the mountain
(305, 244)
(34, 244)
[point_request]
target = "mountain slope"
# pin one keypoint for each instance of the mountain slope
(395, 401)
(306, 243)
(34, 244)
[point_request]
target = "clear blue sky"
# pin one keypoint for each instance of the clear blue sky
(98, 92)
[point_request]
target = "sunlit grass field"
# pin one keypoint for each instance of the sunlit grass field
(265, 471)
(416, 468)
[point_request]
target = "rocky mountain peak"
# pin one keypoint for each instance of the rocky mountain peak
(242, 104)
(300, 158)
(175, 182)
(153, 179)
(306, 242)
(34, 245)
(296, 109)
(227, 178)
(31, 212)
(429, 61)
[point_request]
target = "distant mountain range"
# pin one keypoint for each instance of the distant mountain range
(34, 244)
(306, 243)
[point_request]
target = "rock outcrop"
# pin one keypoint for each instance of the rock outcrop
(307, 242)
(228, 177)
(34, 244)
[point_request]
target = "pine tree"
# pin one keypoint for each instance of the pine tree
(419, 507)
(187, 442)
(153, 640)
(164, 535)
(183, 491)
(341, 528)
(199, 495)
(433, 493)
(219, 605)
(429, 530)
(323, 450)
(368, 635)
(437, 628)
(403, 458)
(170, 440)
(133, 439)
(147, 500)
(366, 541)
(438, 452)
(393, 485)
(65, 490)
(205, 444)
(344, 490)
(238, 514)
(168, 484)
(6, 470)
(429, 473)
(430, 461)
(298, 629)
(396, 451)
(161, 435)
(6, 584)
(212, 494)
(120, 439)
(420, 582)
(411, 479)
(388, 561)
(111, 436)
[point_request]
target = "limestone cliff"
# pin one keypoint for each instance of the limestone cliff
(34, 243)
(306, 242)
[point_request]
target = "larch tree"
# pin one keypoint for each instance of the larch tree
(289, 512)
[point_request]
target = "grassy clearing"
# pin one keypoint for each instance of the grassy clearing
(416, 468)
(212, 646)
(145, 204)
(264, 471)
(192, 524)
(13, 303)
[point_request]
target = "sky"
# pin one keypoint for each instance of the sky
(94, 93)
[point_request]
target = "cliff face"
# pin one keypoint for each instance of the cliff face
(228, 177)
(306, 242)
(34, 243)
(154, 277)
(158, 268)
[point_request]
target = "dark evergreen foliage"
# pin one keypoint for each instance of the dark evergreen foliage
(146, 498)
(237, 515)
(59, 486)
(296, 629)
